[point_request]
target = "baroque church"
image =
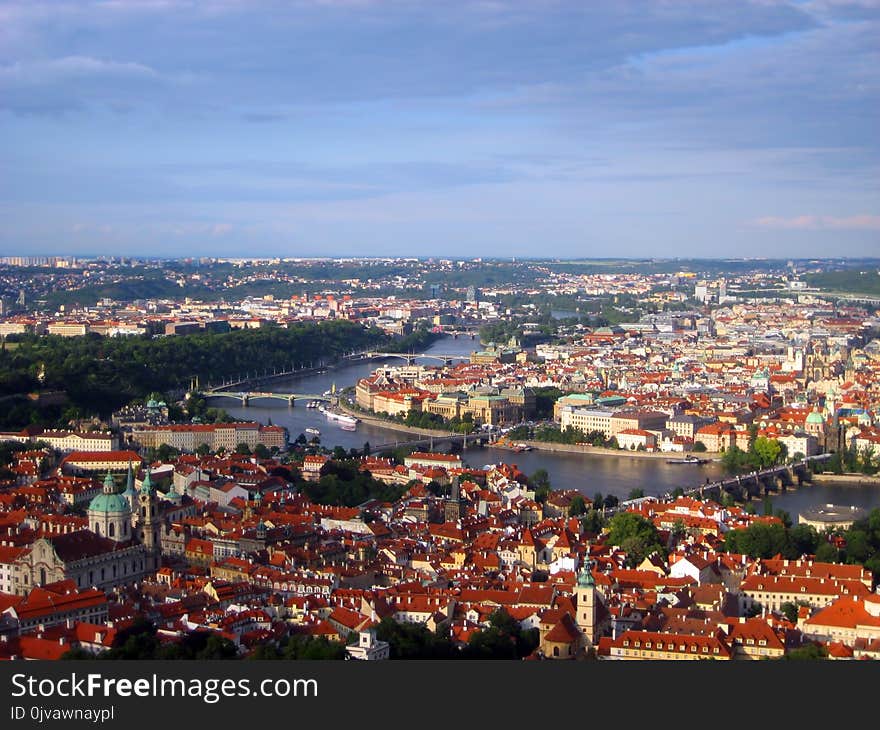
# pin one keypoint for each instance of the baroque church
(120, 545)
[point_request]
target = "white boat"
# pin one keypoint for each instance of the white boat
(341, 418)
(313, 431)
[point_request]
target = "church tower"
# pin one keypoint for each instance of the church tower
(109, 513)
(129, 492)
(585, 596)
(148, 518)
(452, 506)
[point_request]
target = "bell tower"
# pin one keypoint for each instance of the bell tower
(585, 594)
(148, 517)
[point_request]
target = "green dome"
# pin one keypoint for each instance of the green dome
(815, 417)
(109, 503)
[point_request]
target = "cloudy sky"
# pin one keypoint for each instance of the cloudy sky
(387, 127)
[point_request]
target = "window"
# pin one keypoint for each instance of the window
(111, 530)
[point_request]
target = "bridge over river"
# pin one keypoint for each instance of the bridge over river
(247, 396)
(742, 486)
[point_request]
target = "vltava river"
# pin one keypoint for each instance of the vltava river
(588, 473)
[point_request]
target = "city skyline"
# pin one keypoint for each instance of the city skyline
(308, 129)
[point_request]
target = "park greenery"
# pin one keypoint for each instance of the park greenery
(634, 534)
(141, 641)
(342, 483)
(762, 453)
(99, 374)
(851, 461)
(503, 638)
(860, 543)
(553, 434)
(301, 647)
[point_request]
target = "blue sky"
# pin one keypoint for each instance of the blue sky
(397, 127)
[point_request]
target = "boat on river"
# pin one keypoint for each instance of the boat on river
(688, 460)
(349, 423)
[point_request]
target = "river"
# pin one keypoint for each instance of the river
(588, 473)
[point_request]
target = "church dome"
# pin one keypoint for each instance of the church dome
(109, 503)
(815, 418)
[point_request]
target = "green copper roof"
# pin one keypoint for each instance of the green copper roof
(585, 576)
(147, 484)
(109, 503)
(815, 417)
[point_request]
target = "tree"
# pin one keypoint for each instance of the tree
(634, 535)
(699, 447)
(610, 502)
(679, 530)
(636, 494)
(808, 652)
(827, 553)
(261, 451)
(414, 641)
(767, 451)
(790, 611)
(503, 639)
(577, 507)
(804, 539)
(593, 522)
(243, 449)
(203, 449)
(366, 449)
(339, 453)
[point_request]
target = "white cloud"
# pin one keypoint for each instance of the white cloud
(68, 67)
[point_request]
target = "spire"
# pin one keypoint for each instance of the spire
(109, 484)
(585, 575)
(129, 480)
(147, 484)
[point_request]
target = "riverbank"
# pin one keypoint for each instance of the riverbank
(846, 478)
(392, 426)
(555, 447)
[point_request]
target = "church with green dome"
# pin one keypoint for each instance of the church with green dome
(110, 513)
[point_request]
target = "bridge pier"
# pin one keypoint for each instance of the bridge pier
(290, 401)
(244, 400)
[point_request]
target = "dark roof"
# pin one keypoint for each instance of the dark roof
(81, 544)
